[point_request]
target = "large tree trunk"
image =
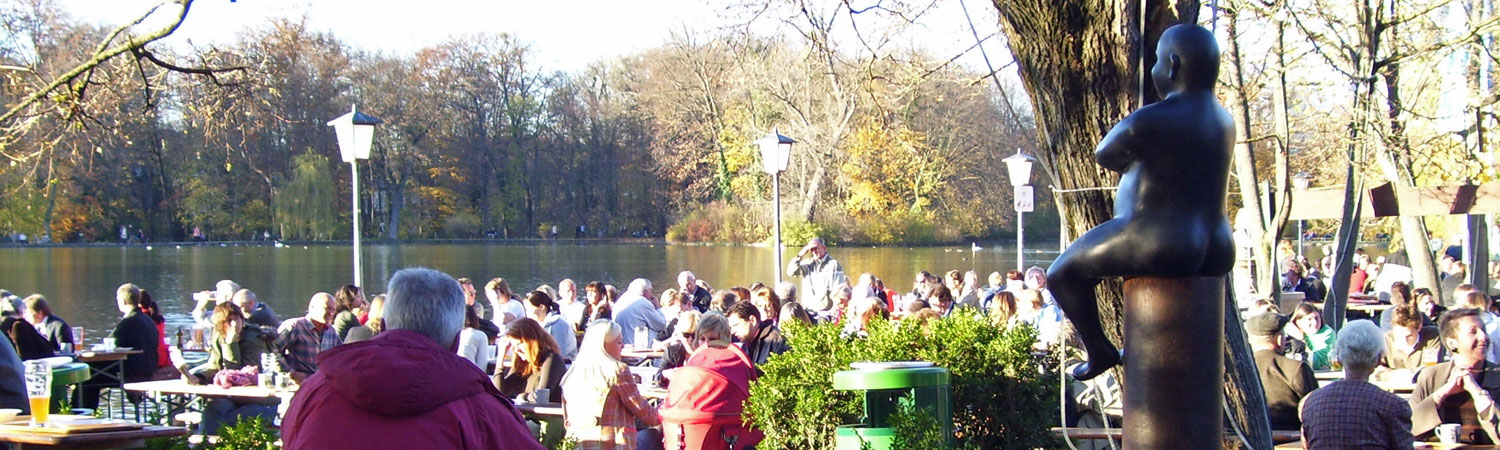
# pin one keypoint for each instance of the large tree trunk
(1081, 64)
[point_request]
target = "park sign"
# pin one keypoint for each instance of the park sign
(1025, 199)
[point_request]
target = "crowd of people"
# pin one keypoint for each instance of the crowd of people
(371, 362)
(1443, 350)
(360, 362)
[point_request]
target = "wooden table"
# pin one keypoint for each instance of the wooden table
(1401, 388)
(86, 441)
(1277, 436)
(541, 410)
(179, 396)
(643, 353)
(108, 364)
(1373, 310)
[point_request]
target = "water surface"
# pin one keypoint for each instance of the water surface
(80, 282)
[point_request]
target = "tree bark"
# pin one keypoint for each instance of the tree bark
(1081, 63)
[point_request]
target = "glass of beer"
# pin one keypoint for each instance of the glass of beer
(39, 390)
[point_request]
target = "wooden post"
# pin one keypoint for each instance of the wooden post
(1174, 363)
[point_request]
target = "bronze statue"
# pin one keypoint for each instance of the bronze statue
(1169, 211)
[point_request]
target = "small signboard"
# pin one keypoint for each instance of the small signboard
(1024, 199)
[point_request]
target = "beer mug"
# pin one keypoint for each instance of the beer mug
(642, 338)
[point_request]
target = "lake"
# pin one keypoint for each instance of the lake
(79, 282)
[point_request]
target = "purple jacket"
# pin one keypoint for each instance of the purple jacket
(401, 390)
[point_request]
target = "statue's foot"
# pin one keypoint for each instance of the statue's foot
(1097, 364)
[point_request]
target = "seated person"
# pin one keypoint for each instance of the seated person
(677, 348)
(1315, 337)
(537, 365)
(136, 331)
(759, 338)
(407, 385)
(1286, 381)
(1352, 413)
(1409, 345)
(601, 402)
(232, 347)
(28, 342)
(1461, 390)
(39, 313)
(705, 408)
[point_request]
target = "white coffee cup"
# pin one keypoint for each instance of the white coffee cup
(108, 343)
(1448, 433)
(543, 395)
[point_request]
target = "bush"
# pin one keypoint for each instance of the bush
(999, 398)
(248, 434)
(900, 227)
(796, 233)
(719, 222)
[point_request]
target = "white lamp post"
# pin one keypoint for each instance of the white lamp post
(356, 131)
(1300, 181)
(775, 153)
(1019, 166)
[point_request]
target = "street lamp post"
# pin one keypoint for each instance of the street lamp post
(1300, 181)
(775, 152)
(356, 131)
(1019, 166)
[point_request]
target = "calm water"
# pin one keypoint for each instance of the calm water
(80, 282)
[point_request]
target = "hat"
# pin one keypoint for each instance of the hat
(1265, 324)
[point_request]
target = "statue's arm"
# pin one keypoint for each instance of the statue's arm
(1117, 151)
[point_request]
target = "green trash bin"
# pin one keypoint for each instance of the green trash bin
(886, 386)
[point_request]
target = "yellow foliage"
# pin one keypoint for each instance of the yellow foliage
(889, 169)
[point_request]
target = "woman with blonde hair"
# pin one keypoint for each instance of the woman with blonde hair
(601, 402)
(1002, 308)
(373, 326)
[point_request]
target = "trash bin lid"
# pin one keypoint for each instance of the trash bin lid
(894, 378)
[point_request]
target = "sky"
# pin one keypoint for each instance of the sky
(564, 34)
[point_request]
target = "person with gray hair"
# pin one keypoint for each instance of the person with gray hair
(820, 275)
(636, 309)
(1352, 413)
(786, 291)
(698, 295)
(407, 384)
(223, 293)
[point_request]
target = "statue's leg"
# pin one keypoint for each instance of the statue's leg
(1102, 252)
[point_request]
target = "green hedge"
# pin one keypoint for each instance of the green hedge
(999, 398)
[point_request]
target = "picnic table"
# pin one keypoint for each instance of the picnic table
(108, 365)
(1277, 436)
(135, 436)
(179, 396)
(1400, 383)
(540, 410)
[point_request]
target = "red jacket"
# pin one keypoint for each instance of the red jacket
(401, 390)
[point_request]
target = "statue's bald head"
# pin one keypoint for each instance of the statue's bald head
(1187, 57)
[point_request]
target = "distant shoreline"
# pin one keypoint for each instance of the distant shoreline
(531, 241)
